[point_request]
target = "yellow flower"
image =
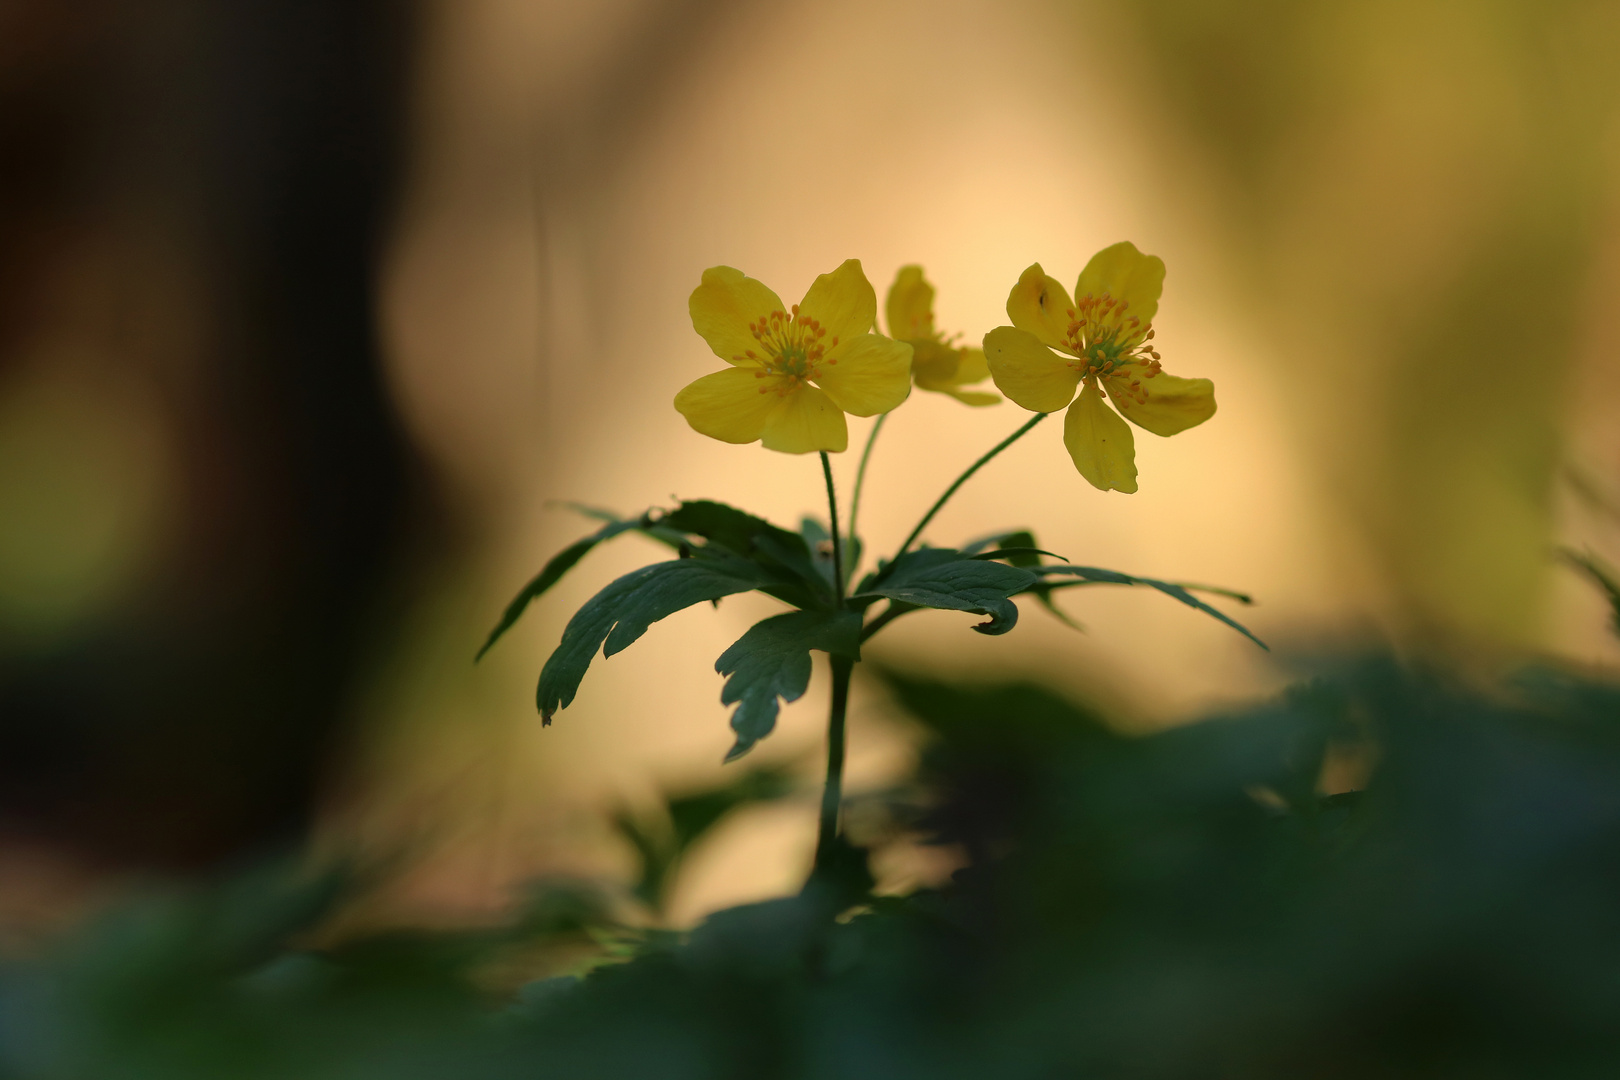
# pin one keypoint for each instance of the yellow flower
(1103, 338)
(937, 363)
(796, 371)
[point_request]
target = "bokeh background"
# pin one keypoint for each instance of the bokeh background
(310, 312)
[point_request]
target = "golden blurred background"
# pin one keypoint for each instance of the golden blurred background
(1393, 241)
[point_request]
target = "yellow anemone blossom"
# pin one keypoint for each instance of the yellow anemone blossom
(937, 362)
(1102, 339)
(795, 371)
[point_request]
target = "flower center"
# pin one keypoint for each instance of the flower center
(1108, 343)
(790, 347)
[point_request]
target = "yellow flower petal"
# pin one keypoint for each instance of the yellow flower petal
(807, 420)
(934, 364)
(972, 368)
(947, 370)
(871, 375)
(909, 308)
(1039, 306)
(729, 405)
(973, 397)
(1172, 405)
(723, 306)
(843, 302)
(1100, 442)
(1126, 274)
(1027, 371)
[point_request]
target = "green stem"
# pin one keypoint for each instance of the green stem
(891, 613)
(860, 479)
(960, 480)
(833, 794)
(837, 545)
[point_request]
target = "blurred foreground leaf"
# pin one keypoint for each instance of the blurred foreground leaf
(1379, 873)
(1604, 577)
(662, 840)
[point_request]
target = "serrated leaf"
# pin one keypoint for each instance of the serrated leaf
(1018, 556)
(770, 665)
(1178, 592)
(943, 578)
(619, 614)
(798, 582)
(549, 575)
(1014, 538)
(565, 559)
(733, 529)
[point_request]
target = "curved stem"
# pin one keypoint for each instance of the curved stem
(837, 545)
(833, 794)
(960, 480)
(860, 479)
(891, 613)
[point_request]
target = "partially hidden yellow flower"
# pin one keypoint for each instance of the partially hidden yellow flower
(1102, 339)
(795, 371)
(937, 362)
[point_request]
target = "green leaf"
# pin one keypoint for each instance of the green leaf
(560, 564)
(1603, 577)
(661, 840)
(565, 559)
(942, 578)
(587, 510)
(772, 661)
(725, 525)
(1099, 576)
(1015, 538)
(1018, 556)
(1018, 547)
(619, 614)
(643, 524)
(1043, 593)
(797, 581)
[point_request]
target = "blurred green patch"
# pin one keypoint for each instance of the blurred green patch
(1195, 903)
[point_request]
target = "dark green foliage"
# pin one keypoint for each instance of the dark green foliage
(1185, 906)
(203, 985)
(772, 661)
(942, 578)
(560, 564)
(1603, 577)
(1017, 556)
(1094, 575)
(787, 558)
(784, 553)
(621, 613)
(1175, 907)
(662, 840)
(740, 553)
(726, 525)
(1019, 548)
(1018, 538)
(725, 551)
